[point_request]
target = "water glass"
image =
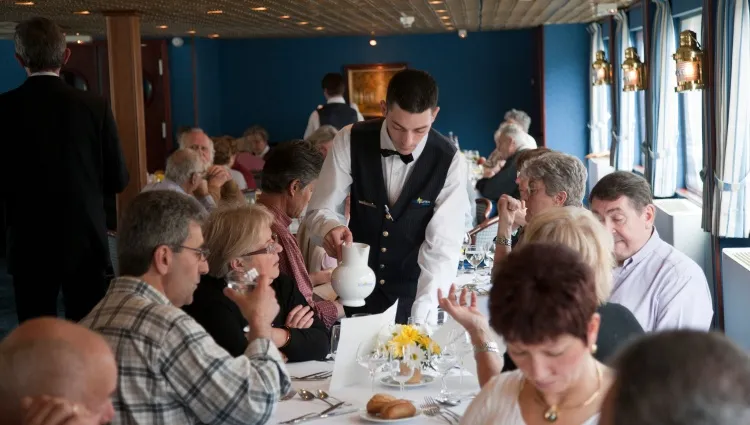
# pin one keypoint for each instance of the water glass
(475, 256)
(241, 280)
(443, 363)
(489, 257)
(371, 357)
(401, 374)
(335, 337)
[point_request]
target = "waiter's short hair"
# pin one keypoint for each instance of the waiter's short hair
(413, 91)
(40, 44)
(333, 84)
(290, 161)
(682, 377)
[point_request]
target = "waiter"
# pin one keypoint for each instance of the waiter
(408, 199)
(335, 112)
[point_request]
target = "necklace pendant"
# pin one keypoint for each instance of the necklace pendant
(550, 415)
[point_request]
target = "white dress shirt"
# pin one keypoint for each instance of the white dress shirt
(438, 255)
(314, 122)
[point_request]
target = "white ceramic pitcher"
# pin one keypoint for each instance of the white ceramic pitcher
(353, 280)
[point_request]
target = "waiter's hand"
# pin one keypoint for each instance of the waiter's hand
(335, 238)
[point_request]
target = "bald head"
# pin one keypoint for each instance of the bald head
(198, 141)
(56, 358)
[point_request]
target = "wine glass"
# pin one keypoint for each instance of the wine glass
(242, 280)
(335, 337)
(475, 255)
(400, 370)
(443, 362)
(461, 341)
(372, 357)
(489, 257)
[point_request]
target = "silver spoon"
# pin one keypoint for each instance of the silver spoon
(324, 395)
(290, 395)
(307, 396)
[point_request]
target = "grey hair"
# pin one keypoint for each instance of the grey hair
(559, 172)
(681, 377)
(289, 161)
(522, 118)
(322, 135)
(52, 367)
(153, 219)
(40, 43)
(516, 132)
(182, 164)
(182, 140)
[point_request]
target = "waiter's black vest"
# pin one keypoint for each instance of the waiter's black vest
(338, 115)
(394, 243)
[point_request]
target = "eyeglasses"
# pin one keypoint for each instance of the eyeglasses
(269, 249)
(203, 253)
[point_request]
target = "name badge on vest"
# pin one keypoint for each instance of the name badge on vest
(421, 202)
(367, 204)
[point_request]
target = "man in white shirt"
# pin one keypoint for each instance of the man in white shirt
(663, 287)
(410, 216)
(335, 112)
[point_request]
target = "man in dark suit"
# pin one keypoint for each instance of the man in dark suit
(60, 157)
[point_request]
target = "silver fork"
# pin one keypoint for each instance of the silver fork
(433, 411)
(432, 402)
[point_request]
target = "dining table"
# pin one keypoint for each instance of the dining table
(355, 397)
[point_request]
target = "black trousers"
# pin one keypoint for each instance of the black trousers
(36, 293)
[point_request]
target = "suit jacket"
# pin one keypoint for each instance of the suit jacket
(60, 157)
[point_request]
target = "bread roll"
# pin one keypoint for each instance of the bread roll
(398, 409)
(377, 402)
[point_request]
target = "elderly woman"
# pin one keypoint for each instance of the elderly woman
(510, 140)
(322, 138)
(553, 179)
(578, 229)
(547, 317)
(241, 239)
(289, 177)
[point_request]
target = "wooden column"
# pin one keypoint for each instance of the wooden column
(126, 92)
(615, 60)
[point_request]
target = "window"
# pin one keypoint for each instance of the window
(691, 116)
(640, 106)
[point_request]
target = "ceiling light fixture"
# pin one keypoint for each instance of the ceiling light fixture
(260, 9)
(436, 1)
(302, 23)
(215, 12)
(162, 27)
(441, 11)
(445, 17)
(320, 28)
(213, 36)
(284, 16)
(462, 33)
(373, 42)
(24, 3)
(191, 32)
(82, 12)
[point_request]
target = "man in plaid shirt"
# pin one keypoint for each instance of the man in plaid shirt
(171, 370)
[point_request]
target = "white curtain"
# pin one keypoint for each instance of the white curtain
(626, 133)
(731, 209)
(599, 121)
(664, 133)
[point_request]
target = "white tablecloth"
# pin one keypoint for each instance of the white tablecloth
(358, 395)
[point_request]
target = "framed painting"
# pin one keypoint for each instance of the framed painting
(367, 85)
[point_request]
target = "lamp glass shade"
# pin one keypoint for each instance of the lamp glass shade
(689, 63)
(633, 71)
(601, 71)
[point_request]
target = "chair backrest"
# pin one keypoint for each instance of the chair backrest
(484, 208)
(112, 243)
(485, 233)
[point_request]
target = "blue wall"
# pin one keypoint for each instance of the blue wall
(276, 82)
(11, 73)
(566, 88)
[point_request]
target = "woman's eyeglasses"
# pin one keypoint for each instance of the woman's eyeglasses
(269, 249)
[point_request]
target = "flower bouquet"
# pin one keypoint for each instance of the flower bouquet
(412, 345)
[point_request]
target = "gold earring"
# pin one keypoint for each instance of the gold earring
(594, 348)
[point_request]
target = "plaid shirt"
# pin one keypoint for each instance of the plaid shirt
(172, 372)
(291, 263)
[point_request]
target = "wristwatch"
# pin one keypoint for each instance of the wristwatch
(486, 347)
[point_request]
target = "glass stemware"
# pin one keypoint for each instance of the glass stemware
(443, 362)
(461, 341)
(489, 258)
(475, 256)
(400, 370)
(371, 357)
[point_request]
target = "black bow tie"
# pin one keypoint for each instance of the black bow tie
(388, 152)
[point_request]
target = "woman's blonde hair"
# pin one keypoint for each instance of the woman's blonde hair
(578, 229)
(231, 232)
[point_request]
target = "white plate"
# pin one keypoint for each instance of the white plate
(372, 418)
(389, 382)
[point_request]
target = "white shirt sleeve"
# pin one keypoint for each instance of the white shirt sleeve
(359, 114)
(438, 255)
(336, 178)
(313, 123)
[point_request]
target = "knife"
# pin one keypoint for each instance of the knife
(314, 415)
(320, 416)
